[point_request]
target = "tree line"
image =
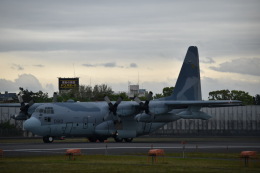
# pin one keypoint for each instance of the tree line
(235, 95)
(87, 93)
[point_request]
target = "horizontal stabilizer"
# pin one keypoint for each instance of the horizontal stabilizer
(187, 114)
(210, 103)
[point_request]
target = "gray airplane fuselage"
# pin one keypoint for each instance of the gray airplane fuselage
(87, 119)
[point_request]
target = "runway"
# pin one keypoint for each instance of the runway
(113, 148)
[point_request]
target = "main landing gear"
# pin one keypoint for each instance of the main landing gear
(93, 139)
(48, 139)
(121, 139)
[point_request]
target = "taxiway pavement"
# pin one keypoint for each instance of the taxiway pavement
(113, 148)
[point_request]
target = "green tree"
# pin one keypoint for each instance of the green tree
(157, 96)
(257, 99)
(219, 95)
(167, 91)
(100, 91)
(38, 97)
(123, 95)
(242, 96)
(231, 95)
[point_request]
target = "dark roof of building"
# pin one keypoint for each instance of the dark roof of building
(8, 96)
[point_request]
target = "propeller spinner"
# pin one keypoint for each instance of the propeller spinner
(145, 106)
(113, 107)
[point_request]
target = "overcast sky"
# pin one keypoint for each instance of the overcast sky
(115, 41)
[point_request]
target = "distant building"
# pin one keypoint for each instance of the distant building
(133, 91)
(8, 97)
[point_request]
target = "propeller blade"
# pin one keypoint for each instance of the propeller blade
(113, 107)
(150, 96)
(20, 98)
(119, 100)
(106, 117)
(107, 99)
(30, 103)
(137, 100)
(145, 106)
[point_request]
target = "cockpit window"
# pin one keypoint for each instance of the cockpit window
(47, 110)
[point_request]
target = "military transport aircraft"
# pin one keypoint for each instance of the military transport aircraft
(122, 120)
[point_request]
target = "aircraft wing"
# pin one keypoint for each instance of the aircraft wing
(210, 103)
(10, 105)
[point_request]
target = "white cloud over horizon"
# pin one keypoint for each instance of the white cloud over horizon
(250, 66)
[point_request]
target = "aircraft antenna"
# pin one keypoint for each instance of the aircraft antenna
(138, 79)
(74, 70)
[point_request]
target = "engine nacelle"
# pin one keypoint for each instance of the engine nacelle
(126, 133)
(126, 110)
(107, 128)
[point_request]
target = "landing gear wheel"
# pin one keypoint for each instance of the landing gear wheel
(128, 139)
(118, 139)
(101, 140)
(48, 139)
(92, 139)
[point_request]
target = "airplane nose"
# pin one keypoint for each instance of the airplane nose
(31, 124)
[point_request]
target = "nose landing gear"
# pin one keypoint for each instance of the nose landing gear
(48, 139)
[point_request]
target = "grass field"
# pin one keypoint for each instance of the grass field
(132, 162)
(196, 162)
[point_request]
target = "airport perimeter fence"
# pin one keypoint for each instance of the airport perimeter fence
(226, 121)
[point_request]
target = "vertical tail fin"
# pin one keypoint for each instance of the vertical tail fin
(188, 85)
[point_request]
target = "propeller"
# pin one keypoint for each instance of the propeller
(24, 108)
(145, 106)
(113, 107)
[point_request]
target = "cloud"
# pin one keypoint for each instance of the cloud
(38, 65)
(17, 67)
(107, 65)
(133, 65)
(26, 81)
(50, 88)
(89, 65)
(248, 66)
(207, 60)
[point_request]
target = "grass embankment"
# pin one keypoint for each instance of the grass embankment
(101, 163)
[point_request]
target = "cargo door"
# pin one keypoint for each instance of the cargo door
(68, 128)
(147, 127)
